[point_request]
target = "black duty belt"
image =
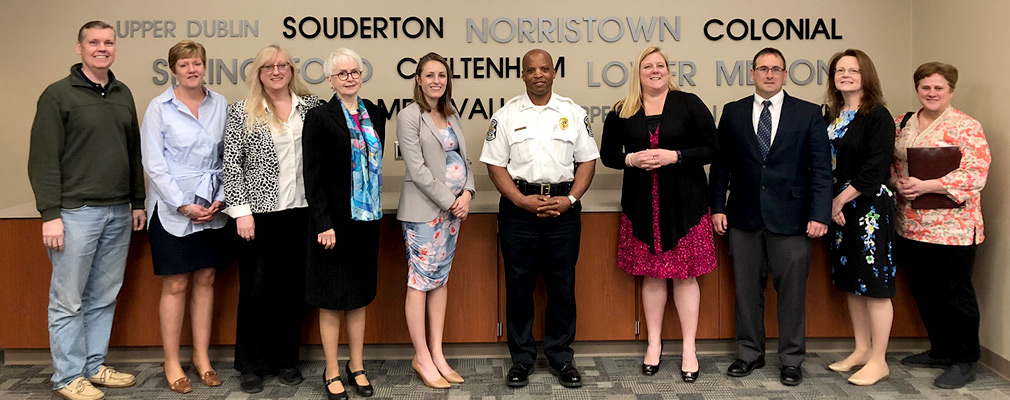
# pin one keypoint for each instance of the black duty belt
(547, 189)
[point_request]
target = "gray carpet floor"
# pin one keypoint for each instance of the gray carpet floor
(604, 377)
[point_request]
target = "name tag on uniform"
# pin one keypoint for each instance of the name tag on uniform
(519, 129)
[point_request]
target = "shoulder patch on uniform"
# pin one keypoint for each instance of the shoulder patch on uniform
(589, 127)
(492, 130)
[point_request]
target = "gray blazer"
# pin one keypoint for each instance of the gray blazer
(424, 192)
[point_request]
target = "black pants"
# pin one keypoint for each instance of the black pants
(271, 303)
(788, 257)
(549, 247)
(939, 277)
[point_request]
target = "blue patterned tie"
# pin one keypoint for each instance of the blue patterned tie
(764, 131)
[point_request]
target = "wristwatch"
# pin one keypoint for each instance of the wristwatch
(573, 199)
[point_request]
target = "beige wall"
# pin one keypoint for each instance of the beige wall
(43, 33)
(971, 36)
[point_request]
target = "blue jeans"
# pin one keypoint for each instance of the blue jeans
(87, 276)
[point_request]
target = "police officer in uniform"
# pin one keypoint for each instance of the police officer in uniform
(541, 156)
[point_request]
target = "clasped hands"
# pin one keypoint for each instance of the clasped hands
(200, 214)
(651, 159)
(545, 206)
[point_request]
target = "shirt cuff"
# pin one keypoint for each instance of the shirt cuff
(238, 211)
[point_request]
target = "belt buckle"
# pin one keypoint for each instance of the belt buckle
(545, 189)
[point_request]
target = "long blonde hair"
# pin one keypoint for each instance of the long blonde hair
(631, 103)
(258, 95)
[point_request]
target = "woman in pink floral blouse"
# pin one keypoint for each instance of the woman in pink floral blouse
(936, 246)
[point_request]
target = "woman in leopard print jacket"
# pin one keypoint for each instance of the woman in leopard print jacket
(265, 193)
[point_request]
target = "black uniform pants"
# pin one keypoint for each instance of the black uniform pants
(271, 297)
(533, 246)
(939, 277)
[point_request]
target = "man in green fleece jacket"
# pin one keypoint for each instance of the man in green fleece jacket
(84, 166)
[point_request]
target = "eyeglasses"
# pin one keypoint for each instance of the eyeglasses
(343, 75)
(280, 66)
(774, 70)
(850, 71)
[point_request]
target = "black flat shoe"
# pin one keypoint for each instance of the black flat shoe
(568, 375)
(791, 376)
(251, 383)
(326, 387)
(290, 376)
(741, 368)
(650, 370)
(363, 391)
(689, 377)
(519, 375)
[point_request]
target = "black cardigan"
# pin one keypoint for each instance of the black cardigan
(684, 198)
(865, 154)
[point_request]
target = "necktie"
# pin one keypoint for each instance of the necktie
(764, 130)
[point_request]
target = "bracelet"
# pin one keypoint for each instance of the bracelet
(627, 160)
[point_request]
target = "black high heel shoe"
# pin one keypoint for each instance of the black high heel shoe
(326, 387)
(650, 370)
(689, 377)
(363, 391)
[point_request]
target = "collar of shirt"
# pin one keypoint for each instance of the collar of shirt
(776, 100)
(169, 95)
(296, 101)
(78, 72)
(526, 103)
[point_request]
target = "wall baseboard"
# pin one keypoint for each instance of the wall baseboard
(996, 362)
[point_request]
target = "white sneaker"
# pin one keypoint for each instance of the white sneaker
(109, 377)
(80, 389)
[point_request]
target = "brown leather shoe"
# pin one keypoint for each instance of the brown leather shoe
(208, 378)
(181, 385)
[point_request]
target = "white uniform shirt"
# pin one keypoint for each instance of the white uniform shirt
(775, 109)
(288, 145)
(539, 144)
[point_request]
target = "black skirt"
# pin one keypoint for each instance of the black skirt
(344, 278)
(173, 255)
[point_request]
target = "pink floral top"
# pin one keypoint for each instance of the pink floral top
(952, 226)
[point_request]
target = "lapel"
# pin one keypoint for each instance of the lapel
(430, 123)
(336, 113)
(750, 135)
(785, 123)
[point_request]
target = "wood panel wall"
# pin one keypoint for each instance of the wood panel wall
(608, 299)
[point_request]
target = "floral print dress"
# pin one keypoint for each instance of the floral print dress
(861, 251)
(432, 245)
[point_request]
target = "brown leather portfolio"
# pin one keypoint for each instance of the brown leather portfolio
(932, 163)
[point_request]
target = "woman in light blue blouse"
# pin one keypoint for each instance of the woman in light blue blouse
(182, 146)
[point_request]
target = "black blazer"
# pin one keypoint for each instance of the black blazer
(686, 125)
(865, 154)
(789, 189)
(326, 152)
